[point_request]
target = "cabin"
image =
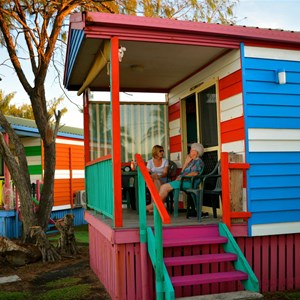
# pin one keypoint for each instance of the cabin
(69, 185)
(234, 89)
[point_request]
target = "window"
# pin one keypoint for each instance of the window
(208, 117)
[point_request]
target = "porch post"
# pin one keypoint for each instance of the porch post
(86, 121)
(116, 132)
(7, 186)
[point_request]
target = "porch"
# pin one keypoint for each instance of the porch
(116, 256)
(131, 220)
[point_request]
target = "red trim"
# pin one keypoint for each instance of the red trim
(153, 190)
(175, 143)
(226, 166)
(174, 112)
(233, 130)
(230, 85)
(71, 178)
(229, 80)
(240, 215)
(225, 189)
(239, 166)
(111, 23)
(233, 136)
(271, 45)
(174, 116)
(86, 131)
(231, 91)
(231, 125)
(174, 107)
(102, 158)
(116, 132)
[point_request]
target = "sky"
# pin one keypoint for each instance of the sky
(274, 14)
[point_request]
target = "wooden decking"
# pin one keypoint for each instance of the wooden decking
(131, 219)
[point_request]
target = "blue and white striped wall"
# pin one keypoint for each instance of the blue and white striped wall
(272, 123)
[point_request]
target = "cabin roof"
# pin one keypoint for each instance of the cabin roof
(160, 53)
(28, 127)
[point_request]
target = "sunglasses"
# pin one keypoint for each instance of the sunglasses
(161, 150)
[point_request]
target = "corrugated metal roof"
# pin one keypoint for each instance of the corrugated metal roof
(28, 125)
(168, 51)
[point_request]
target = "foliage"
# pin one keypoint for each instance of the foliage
(25, 110)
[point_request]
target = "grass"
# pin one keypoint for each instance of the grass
(14, 295)
(287, 295)
(79, 291)
(68, 287)
(62, 282)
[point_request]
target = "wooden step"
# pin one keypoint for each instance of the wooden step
(199, 259)
(194, 241)
(208, 278)
(240, 295)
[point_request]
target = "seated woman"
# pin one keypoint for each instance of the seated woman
(192, 166)
(158, 166)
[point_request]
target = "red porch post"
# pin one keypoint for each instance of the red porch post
(116, 132)
(87, 153)
(6, 180)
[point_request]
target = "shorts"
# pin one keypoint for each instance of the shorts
(176, 184)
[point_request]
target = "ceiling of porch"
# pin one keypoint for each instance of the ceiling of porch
(145, 67)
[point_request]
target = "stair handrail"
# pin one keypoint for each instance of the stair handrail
(153, 242)
(241, 264)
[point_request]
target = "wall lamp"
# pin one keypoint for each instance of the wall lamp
(281, 75)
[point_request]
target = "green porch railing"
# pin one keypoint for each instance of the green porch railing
(99, 186)
(152, 240)
(241, 264)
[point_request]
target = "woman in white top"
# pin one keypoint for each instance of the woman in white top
(158, 166)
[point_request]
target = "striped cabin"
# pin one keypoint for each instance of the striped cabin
(223, 90)
(69, 172)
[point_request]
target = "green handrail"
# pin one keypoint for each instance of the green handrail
(241, 264)
(164, 287)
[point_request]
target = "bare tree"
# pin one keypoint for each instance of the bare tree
(30, 32)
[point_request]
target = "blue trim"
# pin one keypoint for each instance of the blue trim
(70, 135)
(76, 39)
(33, 132)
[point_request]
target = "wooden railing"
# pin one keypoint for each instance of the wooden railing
(226, 166)
(241, 264)
(99, 185)
(152, 241)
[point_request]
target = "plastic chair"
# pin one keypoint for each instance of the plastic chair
(194, 183)
(211, 185)
(172, 172)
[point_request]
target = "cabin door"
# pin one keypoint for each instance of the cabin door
(200, 124)
(200, 120)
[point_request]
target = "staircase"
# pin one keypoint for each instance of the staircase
(198, 265)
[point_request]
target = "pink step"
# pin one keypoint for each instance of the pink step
(183, 241)
(208, 278)
(191, 231)
(199, 259)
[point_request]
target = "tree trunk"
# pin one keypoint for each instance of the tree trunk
(67, 242)
(47, 250)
